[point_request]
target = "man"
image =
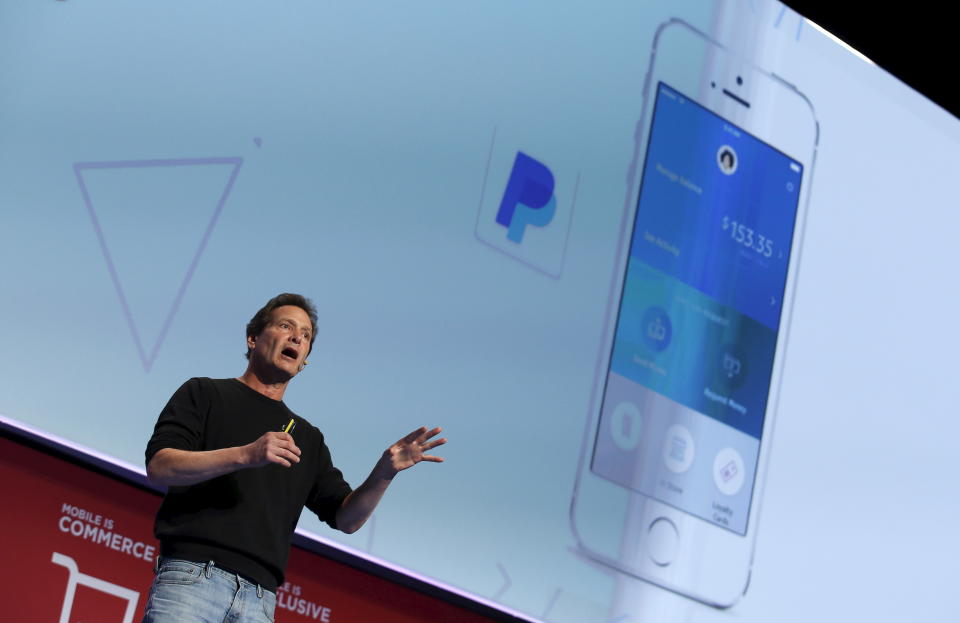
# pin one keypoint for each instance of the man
(238, 483)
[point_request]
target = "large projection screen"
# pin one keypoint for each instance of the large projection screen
(165, 168)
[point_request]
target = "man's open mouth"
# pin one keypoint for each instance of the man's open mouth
(290, 353)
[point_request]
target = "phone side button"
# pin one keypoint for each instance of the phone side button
(662, 539)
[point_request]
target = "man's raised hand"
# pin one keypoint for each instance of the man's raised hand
(413, 448)
(359, 505)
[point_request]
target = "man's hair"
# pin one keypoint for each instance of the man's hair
(260, 320)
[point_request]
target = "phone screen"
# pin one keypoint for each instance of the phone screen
(696, 332)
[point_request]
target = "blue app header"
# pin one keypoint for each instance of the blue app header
(718, 208)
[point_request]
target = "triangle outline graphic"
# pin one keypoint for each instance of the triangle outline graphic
(147, 358)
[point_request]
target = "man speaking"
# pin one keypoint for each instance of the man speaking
(240, 467)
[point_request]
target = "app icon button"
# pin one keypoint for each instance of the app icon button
(728, 471)
(656, 329)
(678, 449)
(731, 366)
(625, 426)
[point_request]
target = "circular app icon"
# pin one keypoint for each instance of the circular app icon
(727, 159)
(625, 426)
(731, 368)
(678, 449)
(728, 471)
(656, 329)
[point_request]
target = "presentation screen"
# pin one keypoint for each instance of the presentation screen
(673, 277)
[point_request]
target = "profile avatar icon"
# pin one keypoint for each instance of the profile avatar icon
(727, 159)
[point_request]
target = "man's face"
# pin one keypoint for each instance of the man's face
(285, 342)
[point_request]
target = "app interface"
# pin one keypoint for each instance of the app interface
(690, 369)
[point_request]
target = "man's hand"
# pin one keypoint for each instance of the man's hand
(272, 448)
(411, 450)
(359, 505)
(170, 467)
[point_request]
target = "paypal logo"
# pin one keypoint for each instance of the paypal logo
(526, 209)
(528, 198)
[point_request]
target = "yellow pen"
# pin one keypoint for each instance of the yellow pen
(289, 427)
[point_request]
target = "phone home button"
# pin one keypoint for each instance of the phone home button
(662, 539)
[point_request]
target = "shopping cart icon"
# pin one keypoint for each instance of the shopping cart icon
(82, 579)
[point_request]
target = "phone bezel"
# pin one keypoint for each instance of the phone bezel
(713, 563)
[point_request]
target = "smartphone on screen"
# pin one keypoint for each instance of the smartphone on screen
(682, 411)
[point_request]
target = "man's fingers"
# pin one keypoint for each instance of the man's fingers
(413, 436)
(286, 440)
(431, 458)
(434, 443)
(283, 440)
(420, 435)
(283, 453)
(283, 458)
(427, 434)
(276, 457)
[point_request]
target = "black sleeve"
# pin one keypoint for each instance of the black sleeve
(181, 423)
(329, 488)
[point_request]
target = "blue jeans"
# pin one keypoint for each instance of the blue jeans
(191, 592)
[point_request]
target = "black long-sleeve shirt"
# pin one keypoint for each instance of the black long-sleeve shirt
(243, 521)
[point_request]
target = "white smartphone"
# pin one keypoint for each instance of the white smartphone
(675, 449)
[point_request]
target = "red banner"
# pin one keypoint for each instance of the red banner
(78, 547)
